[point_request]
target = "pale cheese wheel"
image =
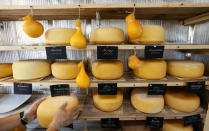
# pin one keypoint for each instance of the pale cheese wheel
(65, 70)
(107, 69)
(146, 103)
(59, 35)
(186, 69)
(175, 125)
(5, 70)
(107, 35)
(181, 100)
(47, 109)
(31, 69)
(108, 102)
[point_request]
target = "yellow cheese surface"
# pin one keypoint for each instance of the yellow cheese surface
(48, 108)
(5, 70)
(30, 69)
(59, 35)
(186, 69)
(108, 102)
(146, 103)
(107, 35)
(107, 69)
(180, 100)
(65, 70)
(151, 69)
(175, 125)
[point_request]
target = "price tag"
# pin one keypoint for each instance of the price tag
(195, 87)
(153, 52)
(60, 90)
(156, 89)
(107, 52)
(154, 122)
(107, 89)
(56, 52)
(190, 120)
(23, 88)
(110, 123)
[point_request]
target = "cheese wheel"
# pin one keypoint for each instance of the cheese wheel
(107, 69)
(107, 35)
(5, 70)
(65, 70)
(175, 125)
(47, 109)
(59, 35)
(108, 102)
(146, 103)
(186, 69)
(151, 69)
(182, 101)
(30, 69)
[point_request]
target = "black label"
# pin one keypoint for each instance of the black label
(195, 87)
(154, 122)
(190, 120)
(56, 52)
(70, 126)
(107, 52)
(110, 123)
(156, 89)
(153, 52)
(107, 89)
(23, 88)
(60, 90)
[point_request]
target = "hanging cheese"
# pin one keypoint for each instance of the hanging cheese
(186, 69)
(107, 35)
(82, 79)
(30, 69)
(47, 109)
(146, 103)
(65, 70)
(180, 100)
(108, 102)
(175, 125)
(107, 69)
(59, 35)
(5, 70)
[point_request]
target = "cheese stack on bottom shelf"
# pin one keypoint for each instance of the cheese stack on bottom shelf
(5, 70)
(175, 125)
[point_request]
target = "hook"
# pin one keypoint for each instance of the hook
(98, 18)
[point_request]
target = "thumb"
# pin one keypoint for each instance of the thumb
(63, 105)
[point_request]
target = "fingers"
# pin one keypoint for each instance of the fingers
(39, 101)
(63, 105)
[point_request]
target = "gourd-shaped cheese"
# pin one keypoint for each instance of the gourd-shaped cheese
(31, 69)
(186, 69)
(133, 62)
(107, 69)
(5, 70)
(82, 79)
(108, 102)
(107, 35)
(47, 109)
(180, 100)
(146, 103)
(65, 70)
(175, 125)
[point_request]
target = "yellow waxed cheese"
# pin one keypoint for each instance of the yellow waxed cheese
(59, 35)
(108, 102)
(20, 128)
(151, 69)
(31, 69)
(107, 69)
(186, 69)
(5, 70)
(146, 103)
(175, 125)
(182, 101)
(65, 70)
(107, 35)
(48, 108)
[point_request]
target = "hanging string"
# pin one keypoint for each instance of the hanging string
(134, 52)
(134, 9)
(31, 10)
(79, 12)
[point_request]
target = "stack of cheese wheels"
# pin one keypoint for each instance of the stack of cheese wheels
(31, 69)
(175, 125)
(5, 70)
(59, 35)
(186, 69)
(107, 35)
(108, 102)
(48, 108)
(146, 103)
(65, 70)
(151, 69)
(180, 100)
(107, 69)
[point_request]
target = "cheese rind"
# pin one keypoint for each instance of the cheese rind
(5, 70)
(146, 103)
(175, 125)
